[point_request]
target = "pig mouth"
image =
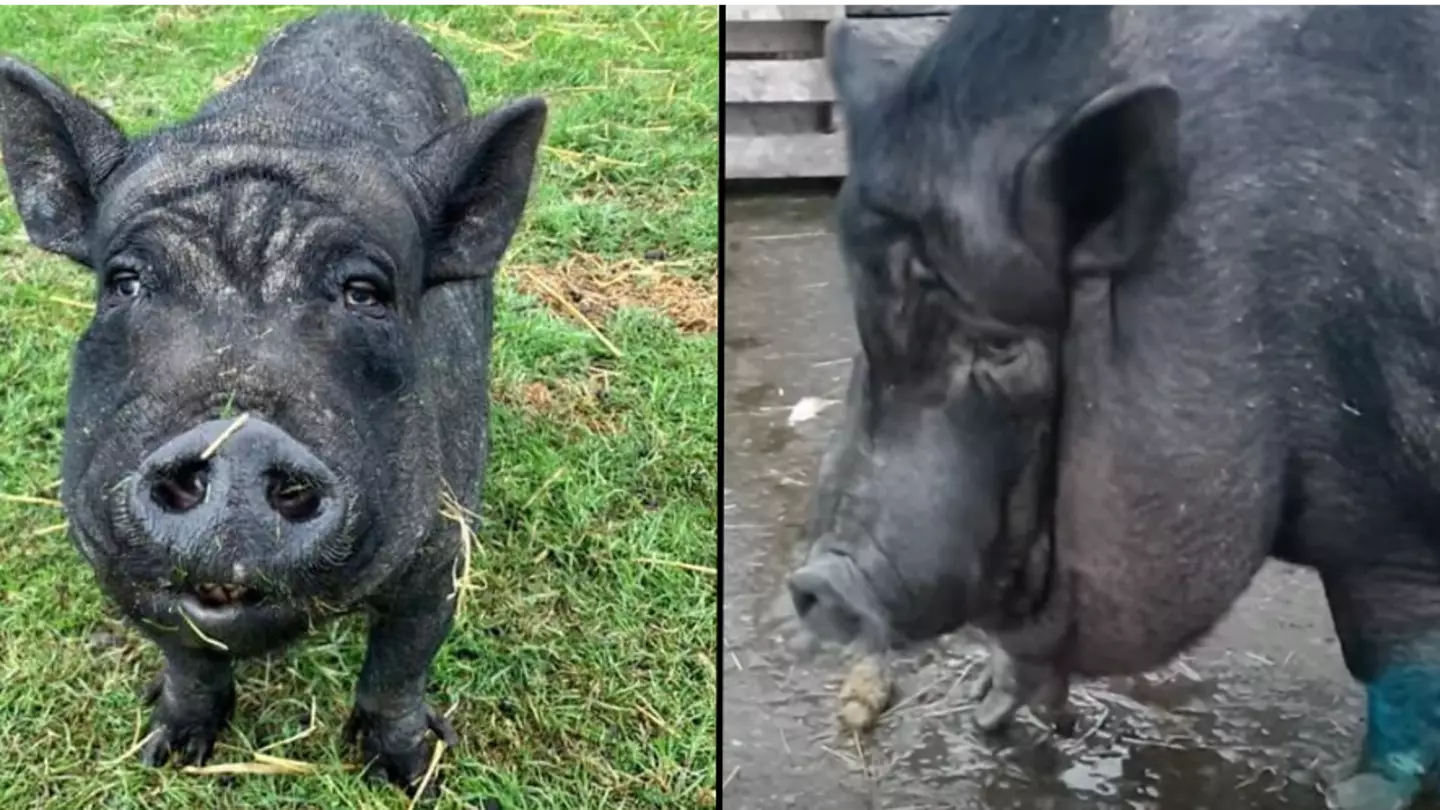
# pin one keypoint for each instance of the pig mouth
(220, 595)
(219, 607)
(236, 619)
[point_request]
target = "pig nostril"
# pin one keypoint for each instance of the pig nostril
(293, 497)
(804, 601)
(182, 487)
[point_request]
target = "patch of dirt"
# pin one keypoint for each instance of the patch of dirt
(587, 288)
(576, 402)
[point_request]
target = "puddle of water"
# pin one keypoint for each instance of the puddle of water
(1241, 723)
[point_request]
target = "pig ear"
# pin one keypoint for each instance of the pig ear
(58, 148)
(860, 71)
(478, 177)
(1098, 190)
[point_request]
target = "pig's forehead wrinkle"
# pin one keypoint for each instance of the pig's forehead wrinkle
(258, 227)
(245, 235)
(387, 202)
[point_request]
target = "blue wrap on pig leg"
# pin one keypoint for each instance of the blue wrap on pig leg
(1402, 733)
(1391, 645)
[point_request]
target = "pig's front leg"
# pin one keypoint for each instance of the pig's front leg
(1008, 684)
(192, 701)
(390, 716)
(1388, 621)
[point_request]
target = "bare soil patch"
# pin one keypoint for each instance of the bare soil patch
(584, 403)
(596, 288)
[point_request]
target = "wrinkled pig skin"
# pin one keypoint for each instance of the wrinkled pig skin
(313, 249)
(1146, 296)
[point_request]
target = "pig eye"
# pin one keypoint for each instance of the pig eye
(1000, 351)
(124, 283)
(364, 296)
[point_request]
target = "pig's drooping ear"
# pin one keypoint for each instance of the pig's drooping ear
(478, 175)
(59, 149)
(1099, 188)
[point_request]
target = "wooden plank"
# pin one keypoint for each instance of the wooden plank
(757, 13)
(776, 81)
(775, 119)
(897, 11)
(778, 111)
(777, 156)
(796, 39)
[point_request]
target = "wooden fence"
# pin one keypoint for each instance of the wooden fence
(782, 119)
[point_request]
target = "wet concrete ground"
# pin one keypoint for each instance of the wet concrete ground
(1243, 722)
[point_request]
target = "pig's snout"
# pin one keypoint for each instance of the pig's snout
(833, 600)
(254, 483)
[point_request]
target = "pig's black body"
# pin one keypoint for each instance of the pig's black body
(313, 250)
(1147, 296)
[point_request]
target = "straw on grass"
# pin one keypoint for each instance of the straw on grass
(300, 735)
(32, 500)
(653, 716)
(549, 482)
(262, 765)
(702, 569)
(429, 773)
(575, 311)
(511, 53)
(70, 302)
(130, 752)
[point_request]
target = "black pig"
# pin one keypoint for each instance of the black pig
(1146, 296)
(288, 361)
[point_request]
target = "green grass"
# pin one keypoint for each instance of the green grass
(579, 675)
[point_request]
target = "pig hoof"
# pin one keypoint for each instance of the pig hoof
(1369, 791)
(997, 691)
(977, 691)
(1062, 720)
(395, 749)
(997, 710)
(185, 726)
(1052, 703)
